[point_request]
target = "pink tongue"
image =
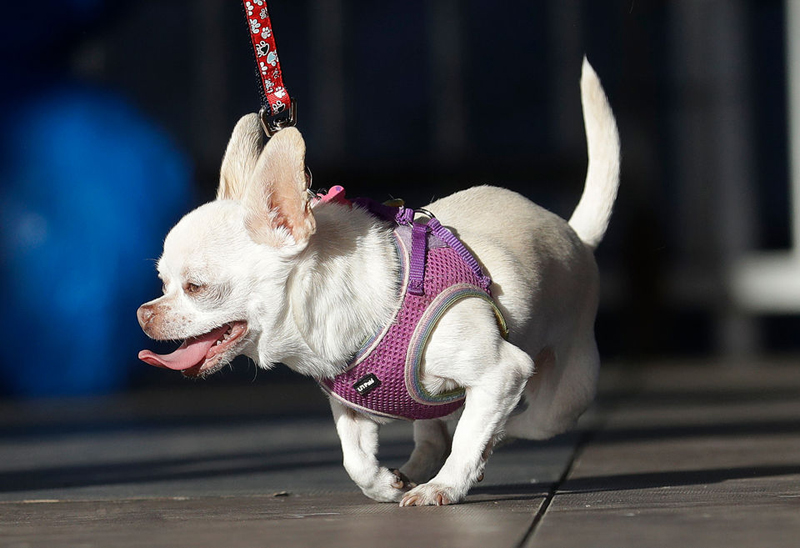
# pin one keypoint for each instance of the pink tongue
(192, 352)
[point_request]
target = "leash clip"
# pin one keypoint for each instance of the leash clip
(281, 120)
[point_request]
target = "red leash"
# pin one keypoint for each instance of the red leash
(278, 109)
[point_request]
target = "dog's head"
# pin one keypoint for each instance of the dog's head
(226, 264)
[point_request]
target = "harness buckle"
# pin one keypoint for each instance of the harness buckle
(425, 212)
(273, 124)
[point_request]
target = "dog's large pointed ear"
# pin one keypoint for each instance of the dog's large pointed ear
(241, 156)
(276, 198)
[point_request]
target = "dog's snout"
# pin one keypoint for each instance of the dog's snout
(144, 314)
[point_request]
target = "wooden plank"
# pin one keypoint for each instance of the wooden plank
(342, 520)
(208, 442)
(684, 518)
(697, 457)
(197, 459)
(168, 470)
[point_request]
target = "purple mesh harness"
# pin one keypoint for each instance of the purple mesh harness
(438, 271)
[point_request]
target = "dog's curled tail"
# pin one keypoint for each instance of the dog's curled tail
(590, 218)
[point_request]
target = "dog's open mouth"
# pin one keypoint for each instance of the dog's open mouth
(202, 354)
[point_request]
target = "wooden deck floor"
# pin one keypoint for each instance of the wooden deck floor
(679, 454)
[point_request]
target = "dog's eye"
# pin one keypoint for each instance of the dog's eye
(191, 288)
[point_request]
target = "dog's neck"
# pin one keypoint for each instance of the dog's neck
(343, 290)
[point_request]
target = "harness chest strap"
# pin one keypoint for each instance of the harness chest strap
(394, 389)
(384, 378)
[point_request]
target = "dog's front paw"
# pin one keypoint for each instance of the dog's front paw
(431, 494)
(388, 486)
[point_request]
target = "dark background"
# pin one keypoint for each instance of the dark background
(115, 116)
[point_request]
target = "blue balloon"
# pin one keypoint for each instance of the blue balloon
(89, 188)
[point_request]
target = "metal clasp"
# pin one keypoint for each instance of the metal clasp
(284, 119)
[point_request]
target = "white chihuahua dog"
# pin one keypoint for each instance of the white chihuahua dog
(266, 272)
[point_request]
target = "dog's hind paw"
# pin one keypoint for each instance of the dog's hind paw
(430, 494)
(401, 480)
(388, 486)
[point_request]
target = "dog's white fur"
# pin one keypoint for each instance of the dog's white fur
(312, 284)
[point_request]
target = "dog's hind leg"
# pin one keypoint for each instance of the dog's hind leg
(359, 437)
(431, 447)
(562, 388)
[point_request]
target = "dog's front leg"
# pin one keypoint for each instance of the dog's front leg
(359, 438)
(488, 404)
